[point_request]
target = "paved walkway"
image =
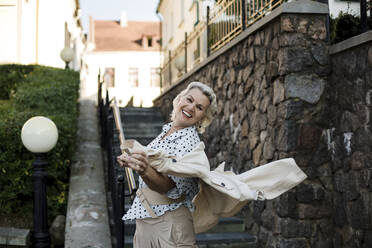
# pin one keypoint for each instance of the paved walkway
(87, 221)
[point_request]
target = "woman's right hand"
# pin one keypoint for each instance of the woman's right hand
(137, 161)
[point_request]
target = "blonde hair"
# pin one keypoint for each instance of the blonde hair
(210, 111)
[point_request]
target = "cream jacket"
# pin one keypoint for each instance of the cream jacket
(223, 193)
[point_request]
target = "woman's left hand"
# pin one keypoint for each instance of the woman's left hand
(137, 161)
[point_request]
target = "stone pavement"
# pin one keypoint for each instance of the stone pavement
(87, 221)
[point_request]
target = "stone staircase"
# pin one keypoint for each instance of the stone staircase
(144, 124)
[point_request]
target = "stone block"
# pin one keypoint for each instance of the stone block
(16, 237)
(279, 93)
(258, 208)
(291, 228)
(360, 216)
(257, 152)
(292, 243)
(317, 29)
(287, 25)
(271, 70)
(305, 193)
(253, 139)
(285, 138)
(349, 122)
(268, 150)
(314, 212)
(307, 87)
(244, 129)
(285, 205)
(357, 160)
(294, 59)
(293, 39)
(308, 136)
(320, 54)
(271, 114)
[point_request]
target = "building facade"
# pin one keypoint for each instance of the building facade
(36, 31)
(126, 55)
(184, 28)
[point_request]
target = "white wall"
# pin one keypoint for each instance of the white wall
(122, 61)
(33, 31)
(335, 6)
(8, 31)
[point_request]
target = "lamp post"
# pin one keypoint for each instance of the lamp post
(39, 135)
(67, 55)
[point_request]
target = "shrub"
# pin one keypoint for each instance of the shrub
(48, 92)
(345, 26)
(10, 75)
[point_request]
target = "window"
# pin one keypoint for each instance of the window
(155, 77)
(149, 41)
(133, 77)
(109, 77)
(197, 13)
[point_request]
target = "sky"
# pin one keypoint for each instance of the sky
(136, 10)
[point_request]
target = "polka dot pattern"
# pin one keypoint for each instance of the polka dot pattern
(177, 144)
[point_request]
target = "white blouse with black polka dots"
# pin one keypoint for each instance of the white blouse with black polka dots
(177, 144)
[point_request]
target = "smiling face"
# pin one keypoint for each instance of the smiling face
(190, 109)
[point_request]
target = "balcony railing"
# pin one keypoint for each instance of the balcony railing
(226, 20)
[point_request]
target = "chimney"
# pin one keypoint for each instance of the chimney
(123, 19)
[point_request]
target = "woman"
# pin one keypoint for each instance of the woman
(168, 223)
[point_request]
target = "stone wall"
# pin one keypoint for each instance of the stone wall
(350, 142)
(274, 101)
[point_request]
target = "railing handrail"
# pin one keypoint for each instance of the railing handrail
(128, 171)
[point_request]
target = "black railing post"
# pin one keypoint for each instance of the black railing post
(40, 235)
(99, 88)
(109, 137)
(244, 26)
(363, 15)
(185, 52)
(208, 52)
(120, 211)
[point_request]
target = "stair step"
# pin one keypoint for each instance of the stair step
(231, 224)
(129, 227)
(146, 115)
(216, 240)
(224, 238)
(225, 225)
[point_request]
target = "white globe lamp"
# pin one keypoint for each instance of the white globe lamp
(39, 134)
(67, 55)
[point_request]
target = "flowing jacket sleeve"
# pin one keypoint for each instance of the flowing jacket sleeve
(223, 193)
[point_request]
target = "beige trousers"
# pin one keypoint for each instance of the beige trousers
(171, 230)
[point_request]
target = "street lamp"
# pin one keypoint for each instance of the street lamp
(67, 55)
(39, 135)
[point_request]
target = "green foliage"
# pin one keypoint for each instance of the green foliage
(345, 26)
(10, 75)
(52, 93)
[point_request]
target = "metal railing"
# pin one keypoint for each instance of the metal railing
(109, 118)
(364, 7)
(226, 20)
(185, 56)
